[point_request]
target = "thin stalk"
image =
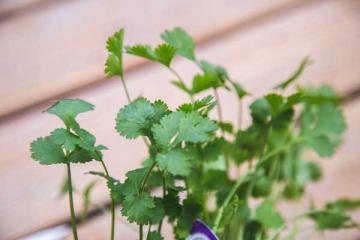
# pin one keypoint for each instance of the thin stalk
(163, 193)
(218, 107)
(126, 90)
(240, 113)
(240, 181)
(141, 232)
(71, 203)
(177, 75)
(112, 204)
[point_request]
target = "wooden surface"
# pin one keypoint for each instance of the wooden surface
(258, 56)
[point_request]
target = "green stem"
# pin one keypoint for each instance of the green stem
(240, 181)
(240, 113)
(71, 202)
(218, 107)
(177, 75)
(163, 193)
(126, 90)
(141, 232)
(112, 204)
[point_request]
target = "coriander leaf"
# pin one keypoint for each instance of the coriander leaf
(61, 136)
(240, 91)
(322, 128)
(343, 205)
(135, 119)
(190, 211)
(179, 39)
(202, 82)
(304, 63)
(134, 181)
(157, 213)
(47, 152)
(266, 214)
(116, 189)
(165, 133)
(68, 109)
(138, 208)
(181, 85)
(114, 45)
(194, 128)
(329, 220)
(161, 109)
(154, 236)
(80, 155)
(165, 53)
(144, 51)
(175, 162)
(203, 106)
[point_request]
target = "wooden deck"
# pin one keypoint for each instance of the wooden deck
(52, 49)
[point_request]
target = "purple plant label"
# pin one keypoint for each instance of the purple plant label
(200, 231)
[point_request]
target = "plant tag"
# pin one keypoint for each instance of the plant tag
(200, 231)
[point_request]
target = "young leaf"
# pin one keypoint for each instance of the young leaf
(63, 137)
(204, 82)
(47, 152)
(240, 91)
(322, 128)
(86, 200)
(203, 106)
(266, 214)
(179, 39)
(114, 45)
(135, 119)
(304, 63)
(163, 53)
(330, 220)
(175, 162)
(343, 205)
(138, 208)
(68, 109)
(179, 126)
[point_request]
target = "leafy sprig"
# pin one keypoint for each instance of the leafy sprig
(191, 154)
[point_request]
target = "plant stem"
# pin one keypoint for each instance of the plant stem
(140, 232)
(218, 107)
(240, 181)
(163, 193)
(180, 80)
(71, 203)
(126, 90)
(112, 204)
(240, 113)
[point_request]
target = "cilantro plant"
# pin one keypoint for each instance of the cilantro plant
(191, 156)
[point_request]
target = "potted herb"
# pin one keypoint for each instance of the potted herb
(190, 155)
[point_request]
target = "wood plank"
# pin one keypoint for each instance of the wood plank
(256, 57)
(58, 50)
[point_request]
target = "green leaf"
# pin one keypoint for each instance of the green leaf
(163, 53)
(175, 162)
(68, 109)
(266, 214)
(47, 152)
(80, 156)
(154, 236)
(63, 137)
(181, 85)
(304, 63)
(179, 39)
(240, 91)
(135, 119)
(202, 82)
(182, 127)
(203, 106)
(343, 205)
(114, 45)
(190, 211)
(330, 220)
(138, 208)
(322, 128)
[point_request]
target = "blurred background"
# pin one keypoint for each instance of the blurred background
(56, 49)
